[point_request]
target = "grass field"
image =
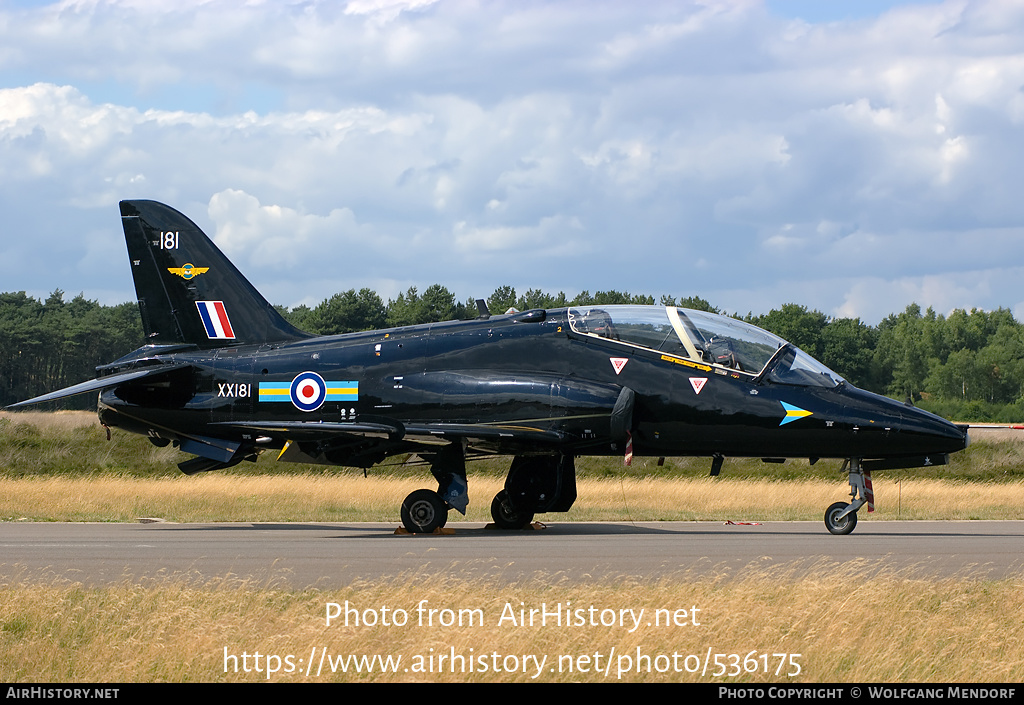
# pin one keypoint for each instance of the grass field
(833, 624)
(328, 497)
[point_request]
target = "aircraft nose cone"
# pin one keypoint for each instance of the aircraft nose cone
(915, 431)
(935, 433)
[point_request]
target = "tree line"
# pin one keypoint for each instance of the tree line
(968, 365)
(47, 345)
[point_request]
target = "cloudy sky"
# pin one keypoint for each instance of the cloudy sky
(853, 157)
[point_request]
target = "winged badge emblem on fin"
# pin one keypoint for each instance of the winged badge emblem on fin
(188, 271)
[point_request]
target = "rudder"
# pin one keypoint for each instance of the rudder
(188, 290)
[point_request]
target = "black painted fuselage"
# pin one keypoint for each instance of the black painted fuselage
(521, 373)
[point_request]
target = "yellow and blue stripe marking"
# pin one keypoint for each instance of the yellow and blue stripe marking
(336, 391)
(308, 391)
(793, 413)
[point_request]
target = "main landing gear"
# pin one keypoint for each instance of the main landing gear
(535, 483)
(426, 511)
(841, 518)
(506, 516)
(423, 512)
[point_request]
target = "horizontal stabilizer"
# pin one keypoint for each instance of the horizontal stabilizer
(95, 385)
(212, 448)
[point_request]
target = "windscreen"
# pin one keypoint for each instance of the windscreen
(794, 366)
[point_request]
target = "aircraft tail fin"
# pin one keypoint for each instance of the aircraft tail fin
(188, 290)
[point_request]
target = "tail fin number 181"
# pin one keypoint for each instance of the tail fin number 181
(169, 240)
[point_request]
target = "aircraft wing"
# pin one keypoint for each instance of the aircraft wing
(397, 431)
(304, 441)
(483, 432)
(320, 430)
(95, 385)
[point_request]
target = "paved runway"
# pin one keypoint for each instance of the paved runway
(332, 555)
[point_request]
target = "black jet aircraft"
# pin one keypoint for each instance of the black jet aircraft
(223, 377)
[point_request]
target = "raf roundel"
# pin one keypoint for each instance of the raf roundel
(308, 391)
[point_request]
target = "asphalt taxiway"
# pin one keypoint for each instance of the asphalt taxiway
(325, 555)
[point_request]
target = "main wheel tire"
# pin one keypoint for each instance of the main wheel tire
(836, 525)
(423, 511)
(505, 515)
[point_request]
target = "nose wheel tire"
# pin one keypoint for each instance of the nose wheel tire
(423, 511)
(836, 525)
(505, 515)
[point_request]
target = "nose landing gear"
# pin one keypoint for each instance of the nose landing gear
(838, 520)
(841, 518)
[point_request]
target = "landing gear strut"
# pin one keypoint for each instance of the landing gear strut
(841, 518)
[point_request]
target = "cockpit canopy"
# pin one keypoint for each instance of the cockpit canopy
(705, 338)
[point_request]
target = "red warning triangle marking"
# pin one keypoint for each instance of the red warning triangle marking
(698, 383)
(618, 363)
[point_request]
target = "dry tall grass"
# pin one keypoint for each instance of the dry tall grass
(52, 420)
(845, 626)
(351, 497)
